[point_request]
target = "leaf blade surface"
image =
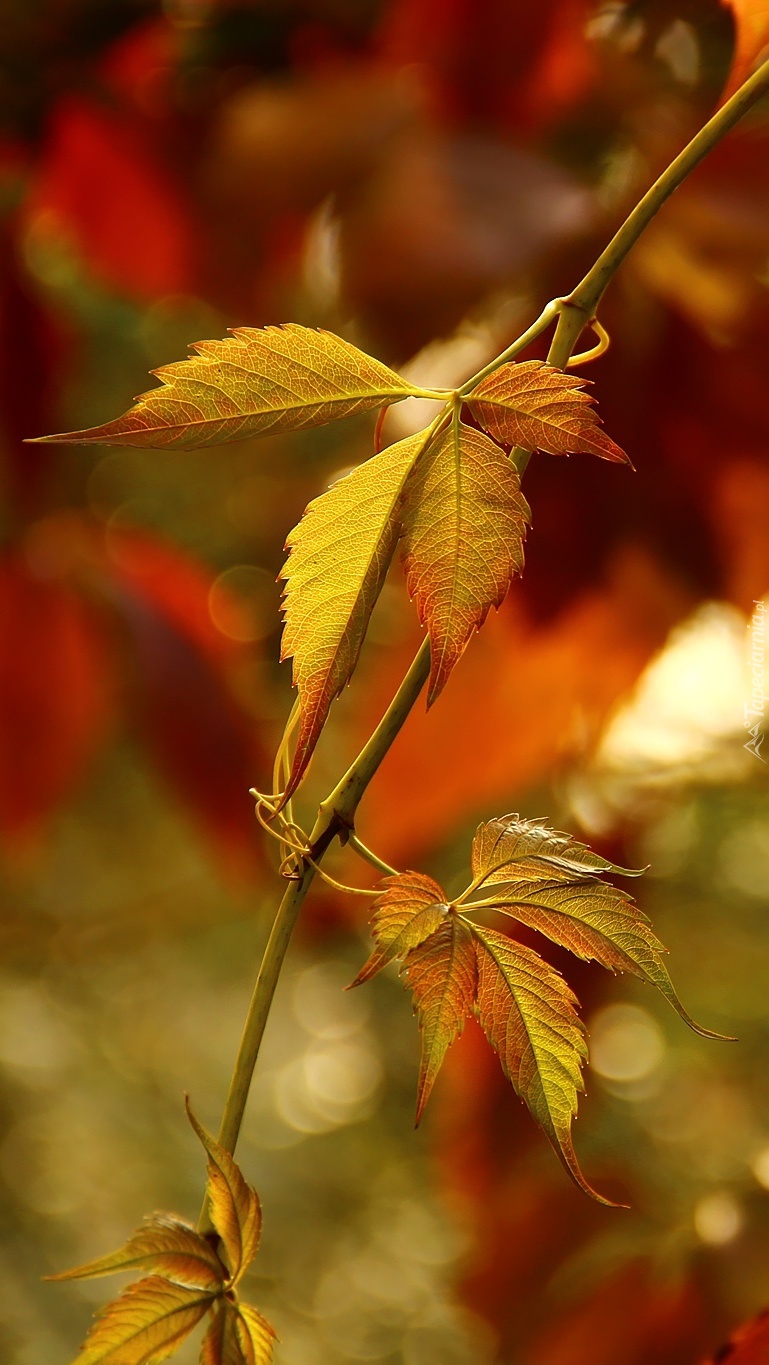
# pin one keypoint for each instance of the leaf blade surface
(235, 1210)
(145, 1325)
(410, 908)
(533, 405)
(442, 976)
(464, 521)
(256, 382)
(166, 1246)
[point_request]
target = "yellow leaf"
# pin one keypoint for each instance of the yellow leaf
(235, 1210)
(551, 882)
(527, 1012)
(442, 975)
(339, 555)
(255, 1335)
(464, 521)
(165, 1245)
(511, 849)
(220, 1345)
(256, 382)
(145, 1325)
(540, 408)
(410, 908)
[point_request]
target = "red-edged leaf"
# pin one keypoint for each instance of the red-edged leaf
(145, 1325)
(256, 382)
(442, 976)
(464, 520)
(339, 555)
(234, 1205)
(527, 1012)
(540, 408)
(510, 848)
(751, 21)
(166, 1246)
(410, 909)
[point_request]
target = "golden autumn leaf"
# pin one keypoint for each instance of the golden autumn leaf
(751, 21)
(410, 909)
(255, 1335)
(145, 1324)
(527, 1012)
(238, 1335)
(442, 976)
(464, 521)
(533, 405)
(550, 882)
(234, 1205)
(166, 1246)
(339, 555)
(509, 848)
(256, 382)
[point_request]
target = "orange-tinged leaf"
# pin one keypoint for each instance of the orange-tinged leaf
(234, 1205)
(410, 909)
(166, 1246)
(527, 1012)
(513, 849)
(145, 1325)
(339, 555)
(220, 1345)
(751, 20)
(551, 882)
(533, 405)
(255, 1334)
(464, 520)
(238, 1335)
(256, 382)
(442, 976)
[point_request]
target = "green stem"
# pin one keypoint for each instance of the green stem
(337, 813)
(360, 848)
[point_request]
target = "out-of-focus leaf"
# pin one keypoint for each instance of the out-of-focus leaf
(257, 382)
(234, 1205)
(748, 1346)
(339, 555)
(751, 18)
(527, 1012)
(442, 976)
(169, 1248)
(56, 693)
(464, 520)
(410, 909)
(535, 406)
(145, 1325)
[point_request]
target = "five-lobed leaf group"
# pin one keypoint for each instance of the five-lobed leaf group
(457, 968)
(188, 1281)
(450, 494)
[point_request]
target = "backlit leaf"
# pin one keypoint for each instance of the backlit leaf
(550, 882)
(145, 1325)
(339, 555)
(166, 1246)
(441, 974)
(512, 849)
(255, 1335)
(234, 1205)
(533, 405)
(220, 1345)
(464, 521)
(751, 20)
(256, 382)
(527, 1012)
(410, 909)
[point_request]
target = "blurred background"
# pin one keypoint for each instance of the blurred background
(420, 176)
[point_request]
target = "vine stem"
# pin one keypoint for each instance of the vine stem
(336, 815)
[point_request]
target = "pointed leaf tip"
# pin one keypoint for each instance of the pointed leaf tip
(235, 1209)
